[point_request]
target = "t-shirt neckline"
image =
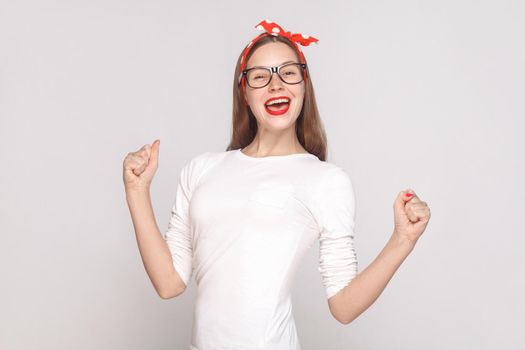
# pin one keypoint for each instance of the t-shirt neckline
(240, 154)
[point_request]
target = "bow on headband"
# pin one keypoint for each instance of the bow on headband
(275, 29)
(271, 28)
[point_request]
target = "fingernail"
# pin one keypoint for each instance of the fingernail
(408, 194)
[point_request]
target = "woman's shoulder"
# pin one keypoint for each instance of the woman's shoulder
(326, 175)
(323, 169)
(207, 157)
(199, 163)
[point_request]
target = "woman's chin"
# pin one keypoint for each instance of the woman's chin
(278, 122)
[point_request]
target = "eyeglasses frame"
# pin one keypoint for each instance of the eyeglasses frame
(276, 69)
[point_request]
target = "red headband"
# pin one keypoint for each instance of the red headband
(271, 28)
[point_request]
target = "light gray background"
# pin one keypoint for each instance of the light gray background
(426, 95)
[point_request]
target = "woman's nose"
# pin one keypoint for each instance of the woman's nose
(275, 82)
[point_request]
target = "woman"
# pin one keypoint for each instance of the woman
(244, 218)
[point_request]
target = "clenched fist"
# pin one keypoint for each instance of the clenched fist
(140, 167)
(411, 216)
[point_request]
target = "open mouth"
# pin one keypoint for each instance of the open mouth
(278, 105)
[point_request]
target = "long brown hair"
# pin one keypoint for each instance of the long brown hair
(308, 126)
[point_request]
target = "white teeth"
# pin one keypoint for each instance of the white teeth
(281, 100)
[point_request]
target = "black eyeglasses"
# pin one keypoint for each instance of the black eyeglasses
(259, 77)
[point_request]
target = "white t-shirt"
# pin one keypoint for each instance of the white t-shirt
(241, 226)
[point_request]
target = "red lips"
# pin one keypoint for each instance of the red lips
(279, 112)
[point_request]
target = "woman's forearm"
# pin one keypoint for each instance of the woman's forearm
(366, 287)
(154, 250)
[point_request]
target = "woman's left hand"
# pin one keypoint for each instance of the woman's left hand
(411, 216)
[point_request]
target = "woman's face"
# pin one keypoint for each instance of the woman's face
(272, 55)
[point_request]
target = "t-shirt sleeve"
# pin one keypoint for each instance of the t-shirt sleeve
(179, 235)
(334, 204)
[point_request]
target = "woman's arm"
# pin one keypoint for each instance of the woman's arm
(366, 287)
(411, 216)
(154, 251)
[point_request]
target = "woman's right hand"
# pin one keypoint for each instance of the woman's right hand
(140, 167)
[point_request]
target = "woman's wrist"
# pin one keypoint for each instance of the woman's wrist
(403, 242)
(138, 191)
